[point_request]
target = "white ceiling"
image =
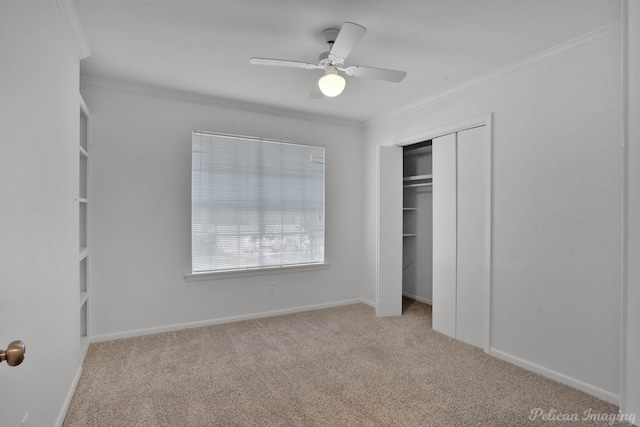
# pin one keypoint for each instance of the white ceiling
(204, 46)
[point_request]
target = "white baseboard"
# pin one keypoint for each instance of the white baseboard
(368, 302)
(198, 324)
(67, 400)
(557, 376)
(417, 298)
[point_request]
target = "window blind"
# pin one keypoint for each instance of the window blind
(255, 203)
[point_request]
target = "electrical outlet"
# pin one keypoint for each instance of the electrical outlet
(272, 287)
(25, 420)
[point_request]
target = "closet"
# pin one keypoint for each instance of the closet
(417, 226)
(437, 250)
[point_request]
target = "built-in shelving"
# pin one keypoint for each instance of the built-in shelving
(82, 199)
(414, 181)
(408, 210)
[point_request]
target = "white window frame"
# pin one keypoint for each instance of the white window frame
(268, 269)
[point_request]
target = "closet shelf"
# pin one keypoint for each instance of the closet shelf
(417, 177)
(409, 235)
(416, 181)
(409, 209)
(422, 184)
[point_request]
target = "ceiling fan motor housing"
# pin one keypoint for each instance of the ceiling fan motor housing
(329, 35)
(323, 59)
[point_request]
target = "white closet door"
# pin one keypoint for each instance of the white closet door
(389, 223)
(444, 234)
(471, 236)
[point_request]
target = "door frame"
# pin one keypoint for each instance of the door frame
(430, 133)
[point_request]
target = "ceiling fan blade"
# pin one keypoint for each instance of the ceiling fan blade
(375, 73)
(349, 35)
(283, 63)
(315, 92)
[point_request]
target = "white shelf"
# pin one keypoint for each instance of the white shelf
(408, 235)
(83, 298)
(414, 181)
(83, 200)
(417, 177)
(422, 184)
(409, 209)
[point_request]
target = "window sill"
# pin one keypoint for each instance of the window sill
(232, 274)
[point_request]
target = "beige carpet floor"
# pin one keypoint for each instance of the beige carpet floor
(333, 367)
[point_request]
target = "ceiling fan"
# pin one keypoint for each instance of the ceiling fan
(341, 42)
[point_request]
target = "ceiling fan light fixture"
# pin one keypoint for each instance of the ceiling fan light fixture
(340, 42)
(331, 84)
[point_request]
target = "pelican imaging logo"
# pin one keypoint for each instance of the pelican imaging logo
(587, 416)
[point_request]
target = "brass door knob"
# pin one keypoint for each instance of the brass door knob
(14, 354)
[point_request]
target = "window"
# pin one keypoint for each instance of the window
(255, 203)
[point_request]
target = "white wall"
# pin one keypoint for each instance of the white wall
(39, 116)
(556, 207)
(631, 399)
(141, 214)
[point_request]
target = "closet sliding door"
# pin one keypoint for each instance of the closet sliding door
(389, 232)
(444, 234)
(471, 237)
(460, 234)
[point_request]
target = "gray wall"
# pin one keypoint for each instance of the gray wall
(631, 402)
(556, 206)
(39, 122)
(141, 214)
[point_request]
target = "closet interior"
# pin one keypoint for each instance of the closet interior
(417, 222)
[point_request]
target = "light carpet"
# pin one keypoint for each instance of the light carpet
(333, 367)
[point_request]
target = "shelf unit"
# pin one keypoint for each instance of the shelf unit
(417, 187)
(404, 221)
(414, 181)
(82, 203)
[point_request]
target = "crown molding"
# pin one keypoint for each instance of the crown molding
(555, 51)
(195, 98)
(184, 96)
(70, 18)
